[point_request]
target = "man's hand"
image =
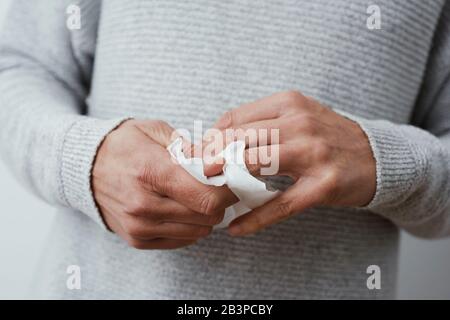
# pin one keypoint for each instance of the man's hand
(146, 198)
(328, 156)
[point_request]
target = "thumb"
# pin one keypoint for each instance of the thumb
(299, 197)
(159, 131)
(213, 168)
(212, 165)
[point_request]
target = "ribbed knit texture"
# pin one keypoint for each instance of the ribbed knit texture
(77, 160)
(182, 61)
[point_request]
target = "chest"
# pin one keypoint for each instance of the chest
(213, 55)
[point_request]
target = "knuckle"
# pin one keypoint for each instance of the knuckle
(294, 98)
(305, 124)
(209, 202)
(331, 181)
(165, 180)
(157, 125)
(157, 130)
(285, 209)
(259, 222)
(163, 128)
(145, 174)
(137, 205)
(321, 150)
(227, 120)
(292, 95)
(132, 229)
(158, 177)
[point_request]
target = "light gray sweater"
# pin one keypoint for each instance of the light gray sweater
(184, 60)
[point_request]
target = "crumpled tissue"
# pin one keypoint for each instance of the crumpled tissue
(250, 191)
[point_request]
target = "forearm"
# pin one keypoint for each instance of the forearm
(37, 112)
(413, 177)
(413, 161)
(45, 136)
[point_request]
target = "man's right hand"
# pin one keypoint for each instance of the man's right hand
(146, 198)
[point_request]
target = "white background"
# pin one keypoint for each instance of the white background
(424, 270)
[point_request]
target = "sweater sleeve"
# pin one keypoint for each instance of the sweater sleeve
(46, 138)
(413, 161)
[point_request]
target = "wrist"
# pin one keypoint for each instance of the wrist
(79, 150)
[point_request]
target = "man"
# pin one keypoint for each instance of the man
(87, 114)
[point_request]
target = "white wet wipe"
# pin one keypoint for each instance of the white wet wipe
(251, 192)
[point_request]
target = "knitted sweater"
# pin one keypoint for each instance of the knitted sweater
(181, 61)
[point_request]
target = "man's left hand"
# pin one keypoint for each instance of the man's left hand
(328, 156)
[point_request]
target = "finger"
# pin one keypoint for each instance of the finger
(213, 168)
(255, 160)
(111, 221)
(254, 134)
(213, 164)
(188, 191)
(156, 208)
(176, 212)
(260, 133)
(157, 130)
(159, 244)
(181, 186)
(283, 159)
(170, 244)
(262, 109)
(297, 198)
(156, 243)
(176, 183)
(145, 229)
(182, 231)
(268, 160)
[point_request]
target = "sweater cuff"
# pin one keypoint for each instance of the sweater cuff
(79, 149)
(397, 162)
